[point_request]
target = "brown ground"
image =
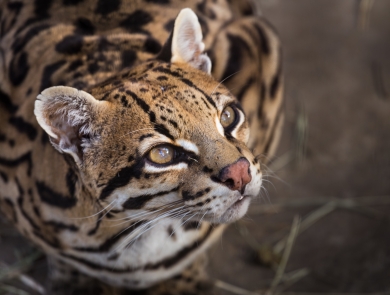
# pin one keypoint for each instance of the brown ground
(336, 144)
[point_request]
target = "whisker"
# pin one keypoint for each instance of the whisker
(223, 81)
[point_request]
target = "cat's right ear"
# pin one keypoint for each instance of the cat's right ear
(68, 116)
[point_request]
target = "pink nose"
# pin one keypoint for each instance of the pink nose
(236, 176)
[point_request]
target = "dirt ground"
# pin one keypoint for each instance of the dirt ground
(331, 177)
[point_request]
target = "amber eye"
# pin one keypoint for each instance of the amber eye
(161, 154)
(228, 117)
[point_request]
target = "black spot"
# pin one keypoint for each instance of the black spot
(186, 81)
(104, 44)
(263, 91)
(105, 7)
(24, 127)
(71, 180)
(53, 198)
(4, 176)
(173, 123)
(29, 91)
(48, 71)
(239, 149)
(124, 101)
(44, 138)
(93, 68)
(207, 169)
(6, 102)
(18, 69)
(70, 44)
(42, 8)
(188, 196)
(162, 78)
(142, 137)
(74, 65)
(11, 142)
(263, 39)
(236, 53)
(171, 232)
(71, 2)
(136, 20)
(245, 88)
(191, 225)
(169, 25)
(105, 96)
(128, 58)
(84, 26)
(151, 45)
(274, 85)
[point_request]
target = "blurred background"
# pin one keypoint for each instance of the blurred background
(332, 171)
(322, 223)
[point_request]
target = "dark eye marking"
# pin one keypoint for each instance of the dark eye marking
(134, 203)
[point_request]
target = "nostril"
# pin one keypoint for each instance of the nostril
(229, 183)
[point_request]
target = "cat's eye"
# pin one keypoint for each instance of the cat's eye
(161, 154)
(228, 117)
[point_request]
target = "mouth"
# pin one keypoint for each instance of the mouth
(236, 210)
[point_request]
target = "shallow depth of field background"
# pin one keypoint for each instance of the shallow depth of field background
(323, 225)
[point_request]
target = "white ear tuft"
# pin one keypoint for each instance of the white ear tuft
(66, 114)
(187, 45)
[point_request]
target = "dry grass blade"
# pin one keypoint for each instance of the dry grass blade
(233, 289)
(32, 284)
(286, 255)
(7, 289)
(291, 278)
(306, 223)
(16, 269)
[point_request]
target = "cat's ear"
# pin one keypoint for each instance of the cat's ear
(68, 116)
(185, 44)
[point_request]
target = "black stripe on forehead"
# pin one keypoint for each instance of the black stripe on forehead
(189, 83)
(152, 116)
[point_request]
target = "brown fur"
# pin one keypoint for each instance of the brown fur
(65, 206)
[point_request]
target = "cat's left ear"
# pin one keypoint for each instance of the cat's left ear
(185, 43)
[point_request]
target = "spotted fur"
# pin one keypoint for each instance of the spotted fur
(88, 88)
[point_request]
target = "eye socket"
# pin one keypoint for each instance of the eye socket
(161, 154)
(228, 117)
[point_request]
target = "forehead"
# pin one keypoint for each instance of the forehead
(169, 98)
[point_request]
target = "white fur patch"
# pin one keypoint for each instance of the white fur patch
(188, 145)
(242, 119)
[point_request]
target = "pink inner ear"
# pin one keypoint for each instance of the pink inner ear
(68, 139)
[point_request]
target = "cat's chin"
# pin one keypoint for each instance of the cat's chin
(236, 211)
